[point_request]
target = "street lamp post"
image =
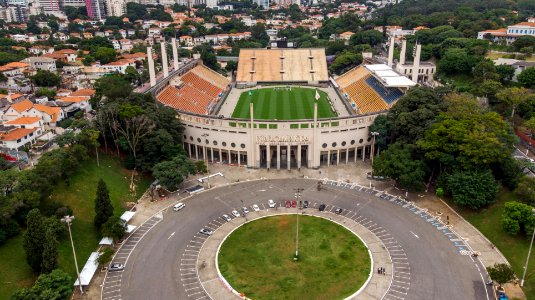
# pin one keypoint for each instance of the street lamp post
(529, 254)
(68, 220)
(374, 134)
(297, 196)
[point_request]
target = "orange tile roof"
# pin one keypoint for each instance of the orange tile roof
(15, 96)
(23, 121)
(22, 105)
(136, 55)
(53, 112)
(73, 99)
(16, 134)
(83, 92)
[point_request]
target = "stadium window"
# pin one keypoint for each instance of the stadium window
(343, 143)
(198, 140)
(361, 140)
(324, 145)
(191, 138)
(242, 145)
(334, 144)
(207, 142)
(233, 145)
(224, 144)
(369, 139)
(185, 137)
(352, 142)
(215, 143)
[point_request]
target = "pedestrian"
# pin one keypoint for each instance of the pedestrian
(378, 270)
(384, 271)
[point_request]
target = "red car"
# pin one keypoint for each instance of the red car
(288, 204)
(294, 204)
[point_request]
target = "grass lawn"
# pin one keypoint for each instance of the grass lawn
(79, 195)
(257, 259)
(494, 55)
(282, 104)
(515, 249)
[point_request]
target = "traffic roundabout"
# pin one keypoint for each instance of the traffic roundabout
(422, 258)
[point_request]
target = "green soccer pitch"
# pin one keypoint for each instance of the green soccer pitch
(281, 103)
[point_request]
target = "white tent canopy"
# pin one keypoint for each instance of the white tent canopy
(127, 216)
(130, 228)
(106, 241)
(389, 77)
(89, 270)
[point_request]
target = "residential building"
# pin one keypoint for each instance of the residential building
(509, 34)
(119, 66)
(116, 8)
(96, 9)
(41, 63)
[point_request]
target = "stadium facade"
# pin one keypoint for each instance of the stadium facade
(200, 95)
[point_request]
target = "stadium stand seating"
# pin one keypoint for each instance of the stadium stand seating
(390, 95)
(282, 65)
(198, 91)
(351, 76)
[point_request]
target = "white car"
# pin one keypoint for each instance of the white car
(178, 206)
(115, 267)
(271, 203)
(245, 210)
(226, 218)
(256, 208)
(236, 213)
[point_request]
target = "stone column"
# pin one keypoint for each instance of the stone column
(252, 159)
(288, 156)
(403, 52)
(165, 65)
(239, 159)
(196, 152)
(204, 156)
(152, 74)
(363, 152)
(391, 52)
(268, 156)
(328, 158)
(315, 146)
(356, 154)
(416, 64)
(347, 155)
(175, 54)
(229, 158)
(212, 154)
(298, 156)
(337, 157)
(278, 157)
(220, 156)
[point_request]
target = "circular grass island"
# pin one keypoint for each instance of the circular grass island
(257, 259)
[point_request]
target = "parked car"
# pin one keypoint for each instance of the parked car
(294, 203)
(115, 267)
(338, 211)
(179, 206)
(288, 204)
(226, 218)
(236, 213)
(305, 204)
(322, 207)
(206, 231)
(271, 203)
(256, 208)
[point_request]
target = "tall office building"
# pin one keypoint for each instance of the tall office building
(49, 5)
(96, 9)
(74, 3)
(263, 3)
(115, 8)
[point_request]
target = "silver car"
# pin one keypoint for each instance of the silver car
(226, 218)
(256, 208)
(236, 213)
(245, 210)
(115, 267)
(206, 231)
(271, 203)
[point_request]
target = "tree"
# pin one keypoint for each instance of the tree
(171, 173)
(231, 66)
(474, 189)
(209, 59)
(513, 96)
(50, 94)
(88, 60)
(50, 251)
(105, 55)
(114, 228)
(103, 207)
(345, 61)
(113, 87)
(506, 73)
(259, 34)
(489, 88)
(501, 273)
(527, 78)
(524, 41)
(485, 70)
(105, 256)
(56, 285)
(525, 189)
(370, 37)
(456, 61)
(400, 163)
(46, 78)
(34, 239)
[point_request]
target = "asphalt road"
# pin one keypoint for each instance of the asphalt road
(438, 270)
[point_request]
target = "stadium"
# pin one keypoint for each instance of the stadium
(281, 110)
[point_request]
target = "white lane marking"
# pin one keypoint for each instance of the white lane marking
(414, 234)
(171, 235)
